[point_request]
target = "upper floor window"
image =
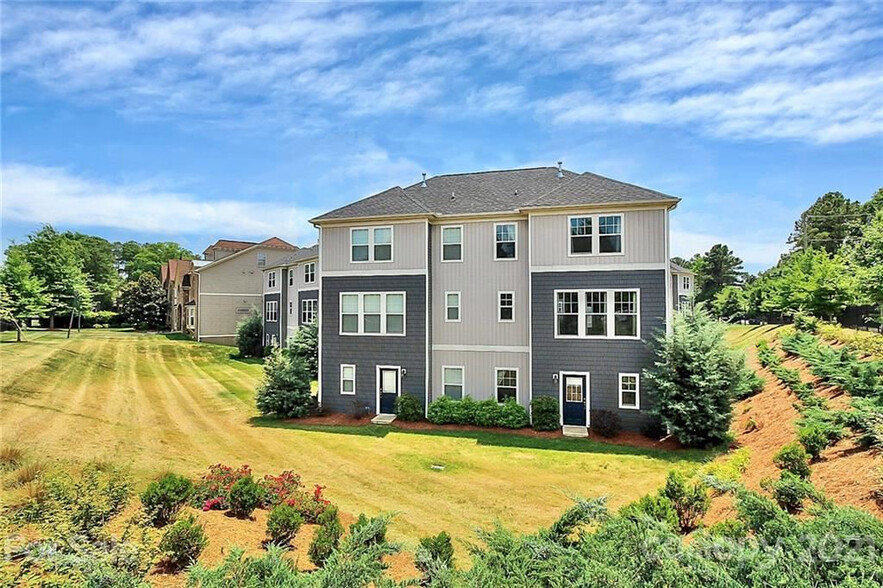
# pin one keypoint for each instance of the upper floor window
(506, 307)
(505, 244)
(372, 313)
(371, 244)
(595, 234)
(272, 314)
(686, 282)
(308, 311)
(580, 235)
(610, 234)
(507, 384)
(262, 259)
(452, 307)
(310, 273)
(452, 243)
(271, 279)
(291, 277)
(605, 314)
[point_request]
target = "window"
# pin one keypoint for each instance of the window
(506, 310)
(452, 307)
(452, 382)
(309, 273)
(262, 259)
(625, 314)
(505, 241)
(347, 379)
(610, 234)
(291, 277)
(629, 392)
(272, 314)
(507, 384)
(271, 279)
(191, 317)
(686, 282)
(371, 244)
(308, 311)
(580, 235)
(372, 313)
(290, 307)
(452, 244)
(606, 313)
(567, 313)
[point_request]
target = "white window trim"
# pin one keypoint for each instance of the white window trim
(517, 383)
(361, 315)
(462, 371)
(500, 318)
(262, 259)
(596, 235)
(581, 314)
(309, 302)
(441, 253)
(637, 405)
(495, 258)
(459, 308)
(348, 365)
(274, 304)
(312, 275)
(290, 278)
(290, 307)
(271, 276)
(370, 244)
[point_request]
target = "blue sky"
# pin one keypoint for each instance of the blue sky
(199, 121)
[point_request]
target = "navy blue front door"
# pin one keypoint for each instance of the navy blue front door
(389, 389)
(574, 394)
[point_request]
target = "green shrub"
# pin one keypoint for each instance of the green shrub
(605, 422)
(367, 530)
(163, 498)
(250, 335)
(757, 511)
(442, 411)
(816, 436)
(464, 411)
(653, 428)
(695, 378)
(690, 501)
(283, 523)
(512, 415)
(793, 458)
(183, 542)
(658, 508)
(789, 491)
(729, 471)
(729, 528)
(305, 345)
(285, 389)
(751, 384)
(488, 413)
(238, 570)
(327, 537)
(806, 323)
(245, 496)
(545, 414)
(434, 552)
(408, 408)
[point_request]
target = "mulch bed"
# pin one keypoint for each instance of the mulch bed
(627, 438)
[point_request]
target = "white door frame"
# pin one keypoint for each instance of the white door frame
(398, 369)
(586, 393)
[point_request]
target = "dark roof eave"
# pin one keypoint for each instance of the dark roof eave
(319, 221)
(671, 201)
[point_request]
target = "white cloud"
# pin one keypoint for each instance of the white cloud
(53, 195)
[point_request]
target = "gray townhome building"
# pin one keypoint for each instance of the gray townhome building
(291, 295)
(498, 284)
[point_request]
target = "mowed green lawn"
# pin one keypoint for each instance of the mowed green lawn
(159, 403)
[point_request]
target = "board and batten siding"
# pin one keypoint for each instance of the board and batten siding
(643, 240)
(408, 248)
(480, 372)
(604, 359)
(479, 278)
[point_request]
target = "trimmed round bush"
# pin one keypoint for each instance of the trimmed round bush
(327, 537)
(285, 390)
(789, 491)
(658, 508)
(464, 411)
(245, 496)
(442, 410)
(793, 458)
(691, 502)
(408, 408)
(164, 498)
(488, 413)
(605, 423)
(545, 413)
(513, 415)
(816, 436)
(283, 524)
(183, 542)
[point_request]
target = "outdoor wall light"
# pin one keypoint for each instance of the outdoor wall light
(404, 372)
(554, 377)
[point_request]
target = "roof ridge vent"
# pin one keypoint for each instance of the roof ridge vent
(423, 183)
(560, 171)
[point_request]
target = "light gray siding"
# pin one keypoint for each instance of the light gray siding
(643, 240)
(604, 359)
(480, 372)
(367, 352)
(479, 278)
(409, 248)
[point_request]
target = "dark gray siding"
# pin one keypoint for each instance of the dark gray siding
(272, 329)
(604, 359)
(301, 296)
(367, 352)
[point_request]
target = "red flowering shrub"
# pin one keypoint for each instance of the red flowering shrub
(277, 489)
(212, 490)
(309, 504)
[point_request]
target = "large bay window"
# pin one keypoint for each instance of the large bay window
(372, 313)
(605, 314)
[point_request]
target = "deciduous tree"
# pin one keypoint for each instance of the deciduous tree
(143, 303)
(22, 295)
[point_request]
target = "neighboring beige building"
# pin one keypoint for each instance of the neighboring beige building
(231, 285)
(180, 282)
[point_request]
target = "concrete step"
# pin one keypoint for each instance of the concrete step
(571, 431)
(383, 419)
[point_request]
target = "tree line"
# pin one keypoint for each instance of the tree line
(66, 275)
(835, 261)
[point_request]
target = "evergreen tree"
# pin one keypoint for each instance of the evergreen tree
(305, 345)
(715, 270)
(144, 303)
(827, 224)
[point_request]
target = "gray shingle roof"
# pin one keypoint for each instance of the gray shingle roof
(498, 191)
(299, 255)
(679, 269)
